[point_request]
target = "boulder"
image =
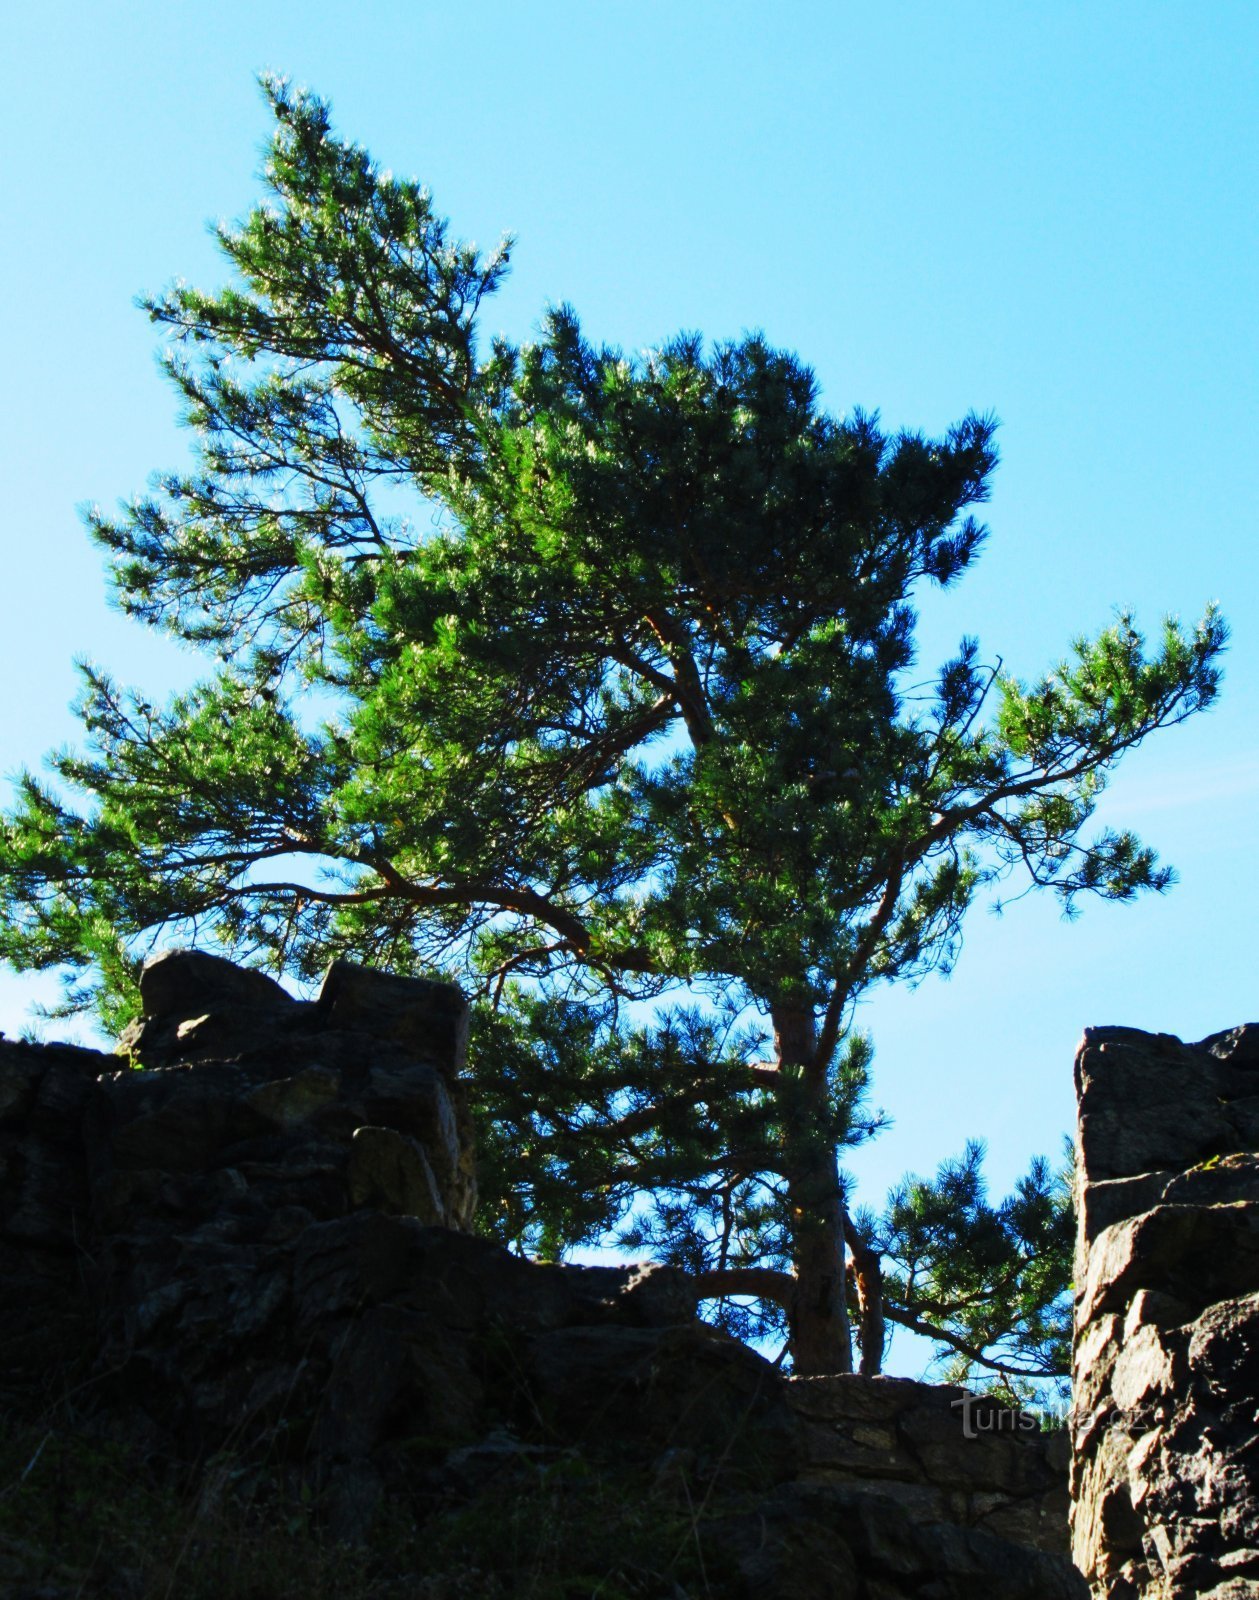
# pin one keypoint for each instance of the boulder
(428, 1019)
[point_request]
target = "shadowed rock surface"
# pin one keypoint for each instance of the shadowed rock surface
(1166, 1442)
(248, 1257)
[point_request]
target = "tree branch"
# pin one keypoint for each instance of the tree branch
(906, 1319)
(647, 1117)
(828, 1035)
(692, 700)
(760, 1283)
(868, 1272)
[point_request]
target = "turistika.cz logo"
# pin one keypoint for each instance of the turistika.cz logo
(980, 1416)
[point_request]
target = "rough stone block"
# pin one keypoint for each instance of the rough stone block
(427, 1018)
(179, 984)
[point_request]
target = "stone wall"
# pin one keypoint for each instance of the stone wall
(1166, 1408)
(252, 1245)
(943, 1455)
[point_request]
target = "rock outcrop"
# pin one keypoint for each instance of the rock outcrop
(1166, 1407)
(248, 1257)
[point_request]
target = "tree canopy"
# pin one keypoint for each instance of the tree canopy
(586, 678)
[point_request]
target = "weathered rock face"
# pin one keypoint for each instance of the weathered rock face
(151, 1206)
(254, 1246)
(1166, 1408)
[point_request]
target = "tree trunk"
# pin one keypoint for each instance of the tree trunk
(820, 1339)
(818, 1317)
(868, 1270)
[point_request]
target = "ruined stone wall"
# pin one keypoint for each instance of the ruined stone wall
(254, 1242)
(1166, 1404)
(943, 1455)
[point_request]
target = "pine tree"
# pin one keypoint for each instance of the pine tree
(586, 678)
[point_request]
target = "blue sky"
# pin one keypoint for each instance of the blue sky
(1048, 212)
